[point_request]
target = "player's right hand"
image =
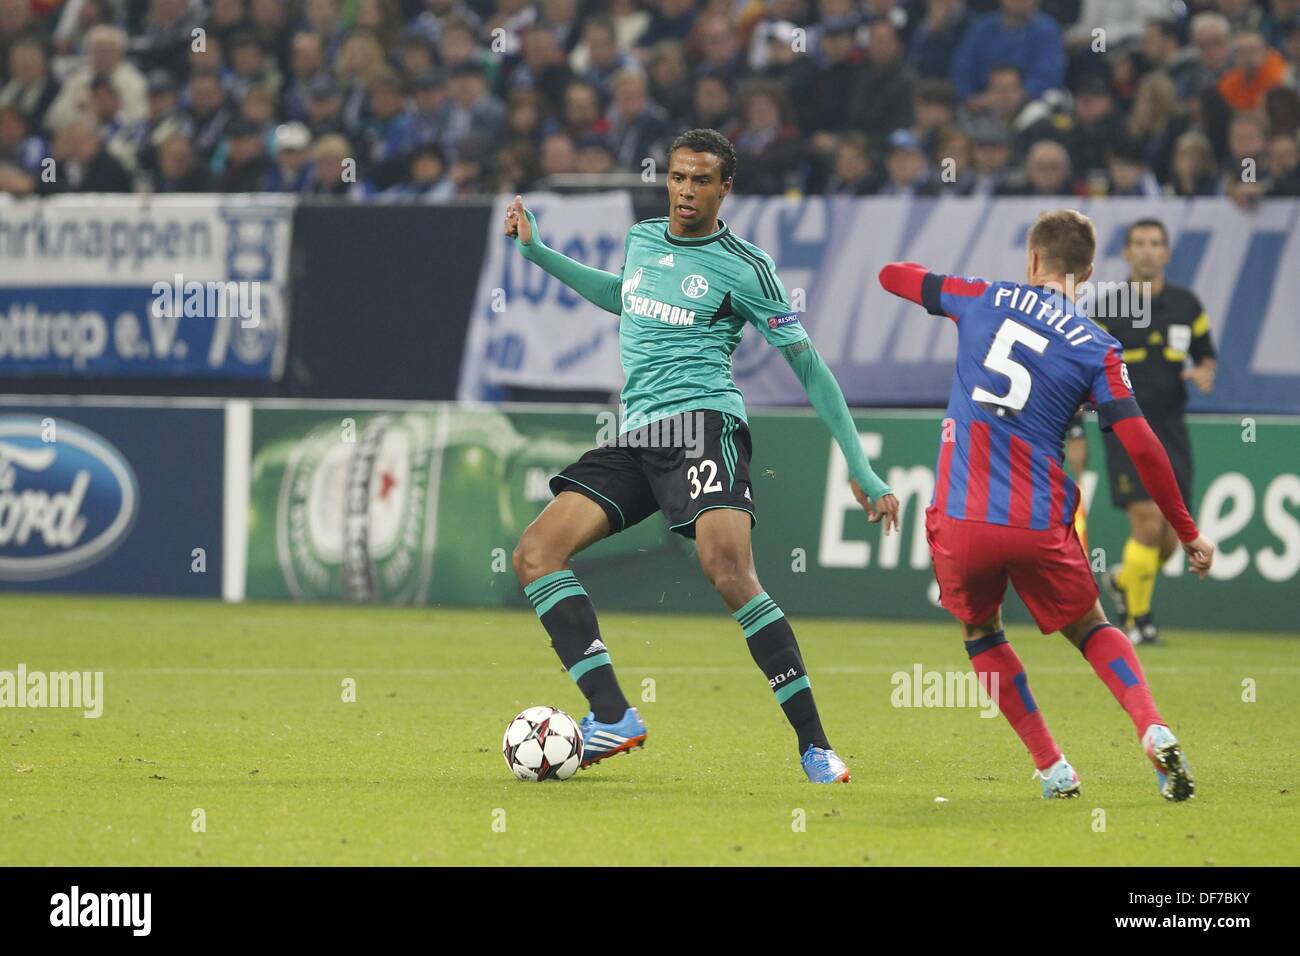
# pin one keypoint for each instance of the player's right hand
(886, 507)
(517, 224)
(1200, 554)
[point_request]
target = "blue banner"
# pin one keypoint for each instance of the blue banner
(111, 500)
(135, 287)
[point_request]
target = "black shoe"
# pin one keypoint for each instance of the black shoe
(1116, 594)
(1144, 631)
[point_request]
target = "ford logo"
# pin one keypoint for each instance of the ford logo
(67, 498)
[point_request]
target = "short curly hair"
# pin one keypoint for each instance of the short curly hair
(708, 141)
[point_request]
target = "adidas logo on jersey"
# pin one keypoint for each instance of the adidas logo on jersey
(747, 498)
(666, 260)
(596, 648)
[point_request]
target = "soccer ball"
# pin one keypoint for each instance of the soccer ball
(542, 743)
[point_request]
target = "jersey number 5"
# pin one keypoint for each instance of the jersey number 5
(999, 360)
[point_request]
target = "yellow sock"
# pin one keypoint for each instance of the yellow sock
(1138, 576)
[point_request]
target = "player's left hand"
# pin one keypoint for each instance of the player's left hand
(1202, 376)
(885, 508)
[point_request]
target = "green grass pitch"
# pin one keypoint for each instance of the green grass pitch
(238, 711)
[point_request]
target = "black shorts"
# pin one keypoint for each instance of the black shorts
(682, 465)
(1126, 486)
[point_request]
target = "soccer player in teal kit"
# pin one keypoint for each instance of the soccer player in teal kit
(687, 289)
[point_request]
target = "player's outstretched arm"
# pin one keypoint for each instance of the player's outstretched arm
(905, 280)
(598, 287)
(1157, 476)
(828, 400)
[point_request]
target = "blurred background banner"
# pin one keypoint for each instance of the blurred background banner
(527, 329)
(423, 504)
(883, 350)
(111, 499)
(145, 287)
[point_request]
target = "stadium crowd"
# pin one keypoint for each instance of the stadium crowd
(445, 98)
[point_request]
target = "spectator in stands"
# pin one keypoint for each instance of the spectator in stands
(559, 156)
(670, 78)
(106, 56)
(543, 66)
(768, 145)
(1281, 15)
(934, 110)
(225, 18)
(208, 113)
(325, 19)
(823, 107)
(669, 20)
(881, 102)
(711, 108)
(1241, 14)
(384, 135)
(246, 162)
(414, 56)
(307, 69)
(1156, 121)
(1257, 69)
(992, 159)
(1162, 49)
(854, 173)
(432, 21)
(325, 108)
(119, 138)
(471, 171)
(594, 156)
(1210, 35)
(259, 107)
(460, 45)
(603, 58)
(526, 119)
(1284, 165)
(516, 168)
(1048, 172)
(165, 117)
(251, 67)
(560, 19)
(210, 56)
(1193, 170)
(292, 167)
(75, 20)
(473, 108)
(178, 169)
(270, 21)
(21, 145)
(426, 176)
(582, 110)
(430, 113)
(1109, 24)
(638, 127)
(164, 43)
(1018, 34)
(1245, 172)
(334, 170)
(785, 60)
(1127, 173)
(360, 60)
(955, 153)
(15, 21)
(82, 164)
(1098, 127)
(907, 171)
(934, 42)
(379, 18)
(31, 88)
(717, 48)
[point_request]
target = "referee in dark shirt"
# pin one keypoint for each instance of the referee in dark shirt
(1157, 356)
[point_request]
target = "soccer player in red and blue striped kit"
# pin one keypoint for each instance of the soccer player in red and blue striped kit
(1003, 507)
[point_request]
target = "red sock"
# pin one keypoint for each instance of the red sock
(992, 655)
(1112, 656)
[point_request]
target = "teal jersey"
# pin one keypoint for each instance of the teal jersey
(686, 303)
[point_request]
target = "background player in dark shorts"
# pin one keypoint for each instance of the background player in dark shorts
(1156, 349)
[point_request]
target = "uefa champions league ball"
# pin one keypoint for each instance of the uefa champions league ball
(542, 743)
